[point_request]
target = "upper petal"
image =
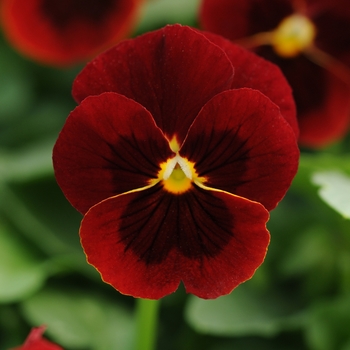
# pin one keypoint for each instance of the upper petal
(145, 242)
(241, 144)
(172, 72)
(254, 72)
(65, 32)
(108, 145)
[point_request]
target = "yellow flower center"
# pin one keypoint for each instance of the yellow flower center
(177, 174)
(293, 35)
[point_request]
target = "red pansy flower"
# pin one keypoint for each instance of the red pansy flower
(175, 157)
(64, 32)
(310, 41)
(35, 341)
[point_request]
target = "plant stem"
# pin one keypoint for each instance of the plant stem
(146, 323)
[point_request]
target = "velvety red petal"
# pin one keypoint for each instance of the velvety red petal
(315, 8)
(109, 145)
(35, 341)
(144, 243)
(330, 121)
(315, 93)
(242, 255)
(241, 144)
(65, 32)
(257, 73)
(322, 99)
(172, 72)
(235, 19)
(333, 29)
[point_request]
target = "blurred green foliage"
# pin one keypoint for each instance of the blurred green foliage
(298, 299)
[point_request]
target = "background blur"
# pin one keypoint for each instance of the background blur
(298, 299)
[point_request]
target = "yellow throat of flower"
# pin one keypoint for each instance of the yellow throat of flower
(177, 174)
(293, 35)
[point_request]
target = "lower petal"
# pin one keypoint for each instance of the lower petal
(144, 243)
(238, 260)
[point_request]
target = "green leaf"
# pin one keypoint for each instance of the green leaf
(79, 319)
(346, 345)
(335, 190)
(33, 162)
(328, 325)
(33, 226)
(158, 13)
(312, 163)
(324, 161)
(243, 312)
(312, 251)
(16, 87)
(12, 87)
(20, 273)
(314, 258)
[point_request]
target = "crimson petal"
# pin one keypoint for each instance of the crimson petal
(322, 99)
(109, 145)
(241, 144)
(145, 242)
(61, 32)
(316, 91)
(330, 119)
(35, 341)
(254, 72)
(235, 19)
(333, 30)
(172, 72)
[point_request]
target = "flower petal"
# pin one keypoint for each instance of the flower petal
(254, 72)
(332, 20)
(315, 94)
(330, 119)
(235, 19)
(145, 242)
(109, 145)
(35, 341)
(172, 72)
(65, 32)
(322, 99)
(241, 144)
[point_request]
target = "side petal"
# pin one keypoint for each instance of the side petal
(64, 33)
(172, 72)
(241, 144)
(144, 243)
(252, 71)
(109, 145)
